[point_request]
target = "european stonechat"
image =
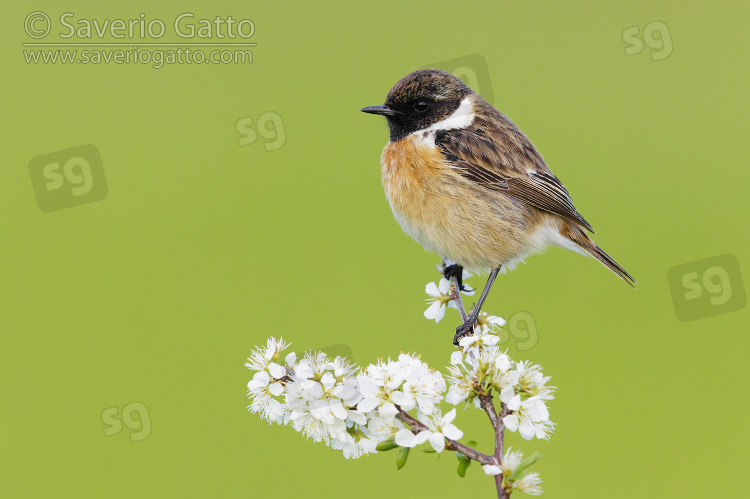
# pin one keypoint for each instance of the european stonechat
(466, 183)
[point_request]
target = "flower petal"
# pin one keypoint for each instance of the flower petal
(405, 438)
(303, 370)
(356, 417)
(511, 422)
(290, 359)
(437, 441)
(467, 341)
(388, 409)
(402, 399)
(514, 403)
(261, 378)
(276, 389)
(338, 409)
(328, 380)
(276, 370)
(526, 429)
(507, 393)
(367, 405)
(450, 431)
(490, 339)
(450, 416)
(432, 289)
(455, 396)
(457, 358)
(497, 321)
(491, 469)
(433, 311)
(502, 362)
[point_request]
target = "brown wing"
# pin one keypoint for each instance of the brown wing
(495, 154)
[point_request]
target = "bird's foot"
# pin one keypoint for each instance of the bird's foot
(455, 270)
(465, 329)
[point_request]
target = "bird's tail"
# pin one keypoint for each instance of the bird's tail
(582, 240)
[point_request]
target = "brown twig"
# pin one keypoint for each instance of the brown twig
(497, 423)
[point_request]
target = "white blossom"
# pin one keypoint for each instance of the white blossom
(314, 428)
(439, 427)
(439, 299)
(383, 428)
(423, 387)
(407, 383)
(480, 358)
(476, 344)
(376, 387)
(486, 322)
(532, 382)
(266, 385)
(504, 379)
(322, 396)
(262, 357)
(511, 460)
(263, 395)
(529, 484)
(354, 444)
(462, 380)
(530, 417)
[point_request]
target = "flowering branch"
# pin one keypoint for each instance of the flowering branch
(417, 427)
(499, 426)
(364, 410)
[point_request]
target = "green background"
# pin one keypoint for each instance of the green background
(203, 248)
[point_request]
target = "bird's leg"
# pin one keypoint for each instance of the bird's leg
(455, 276)
(467, 327)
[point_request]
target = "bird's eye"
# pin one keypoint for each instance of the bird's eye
(421, 106)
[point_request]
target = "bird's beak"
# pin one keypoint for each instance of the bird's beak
(382, 110)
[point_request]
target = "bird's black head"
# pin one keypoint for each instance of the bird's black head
(419, 100)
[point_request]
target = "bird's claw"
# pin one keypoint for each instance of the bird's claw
(462, 331)
(457, 271)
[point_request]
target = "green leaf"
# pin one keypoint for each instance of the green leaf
(463, 465)
(386, 445)
(403, 455)
(428, 450)
(524, 465)
(471, 443)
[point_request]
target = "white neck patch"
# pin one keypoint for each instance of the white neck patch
(461, 118)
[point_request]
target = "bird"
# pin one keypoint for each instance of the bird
(466, 183)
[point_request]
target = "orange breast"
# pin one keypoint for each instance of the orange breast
(446, 213)
(410, 161)
(412, 175)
